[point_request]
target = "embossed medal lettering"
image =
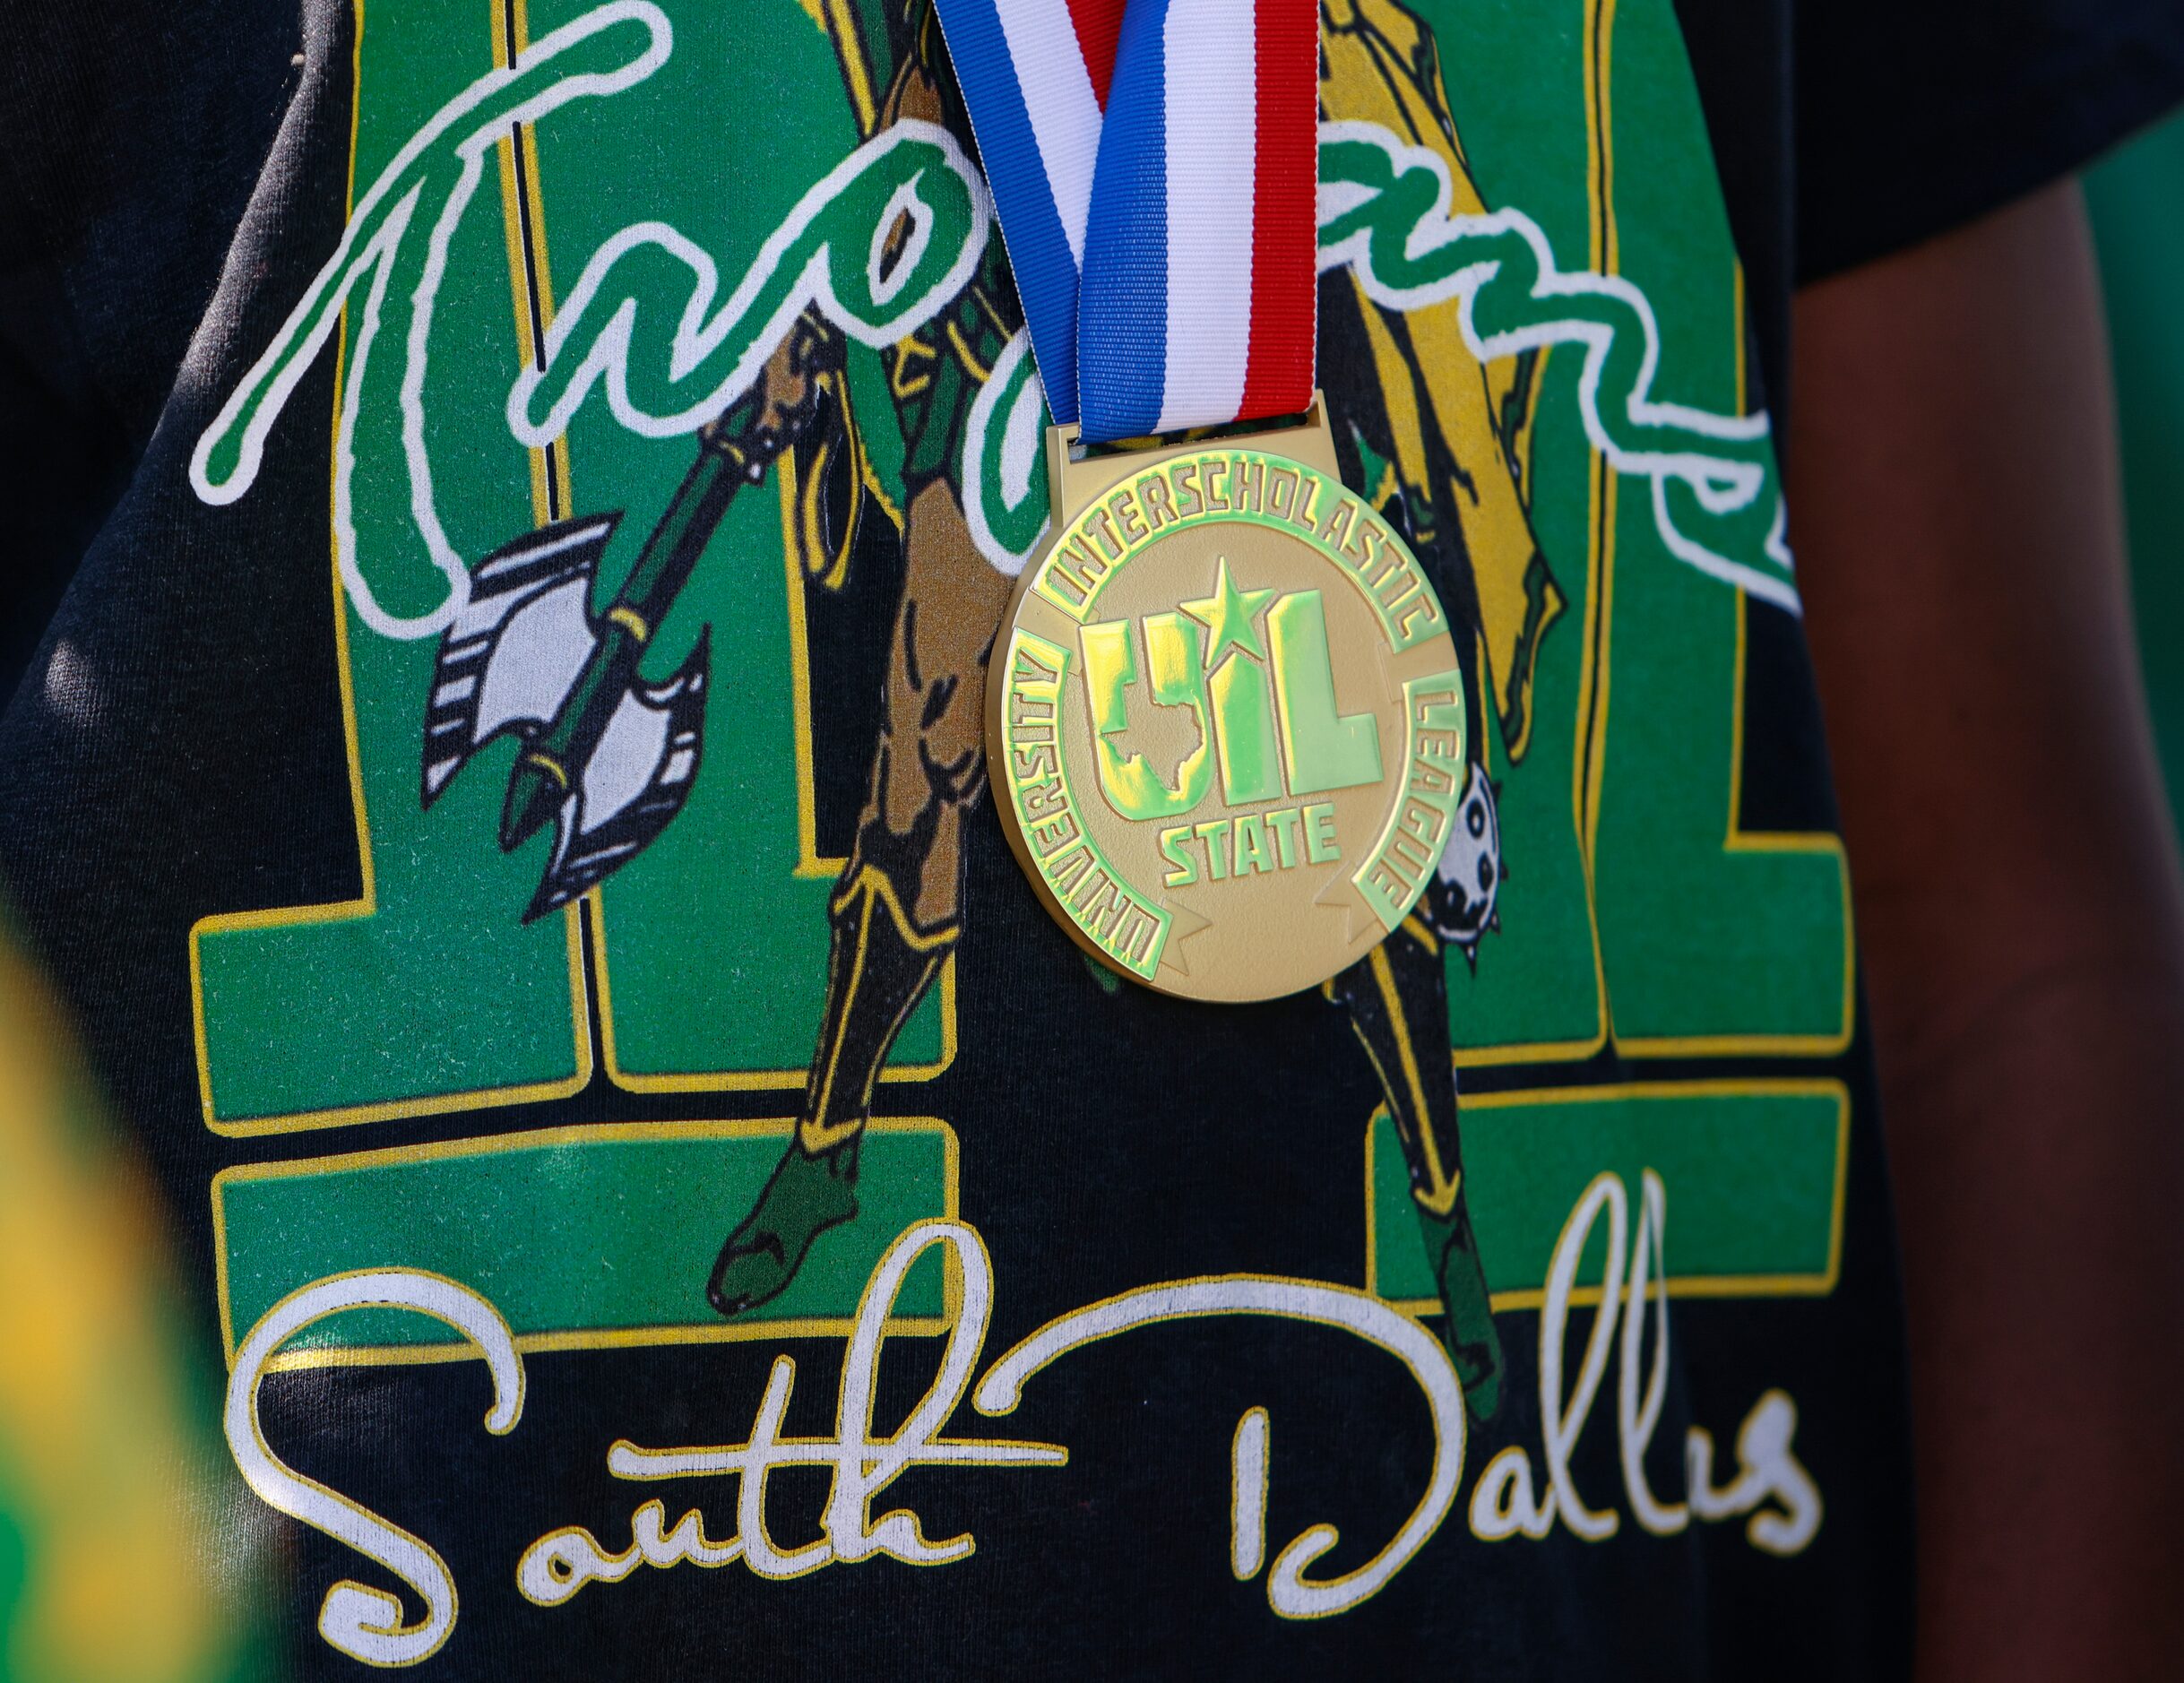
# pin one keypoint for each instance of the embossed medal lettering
(1227, 715)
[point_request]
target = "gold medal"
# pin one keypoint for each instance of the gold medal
(1224, 714)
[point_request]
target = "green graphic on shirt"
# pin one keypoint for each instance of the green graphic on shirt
(427, 992)
(600, 521)
(1757, 1173)
(579, 1236)
(1636, 903)
(1770, 913)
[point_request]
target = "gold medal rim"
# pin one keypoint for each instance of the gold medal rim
(1058, 526)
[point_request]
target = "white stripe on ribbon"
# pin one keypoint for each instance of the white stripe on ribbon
(1211, 49)
(1057, 95)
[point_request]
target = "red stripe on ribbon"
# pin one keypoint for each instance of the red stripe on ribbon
(1284, 210)
(1099, 24)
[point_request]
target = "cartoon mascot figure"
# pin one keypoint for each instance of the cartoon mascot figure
(1439, 442)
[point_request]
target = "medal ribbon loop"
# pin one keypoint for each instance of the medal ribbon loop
(1154, 164)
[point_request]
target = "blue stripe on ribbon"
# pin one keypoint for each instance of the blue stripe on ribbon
(1122, 311)
(1031, 227)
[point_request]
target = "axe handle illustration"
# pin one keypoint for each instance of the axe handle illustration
(734, 450)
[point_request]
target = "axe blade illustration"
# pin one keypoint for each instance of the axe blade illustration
(604, 756)
(508, 663)
(630, 784)
(608, 758)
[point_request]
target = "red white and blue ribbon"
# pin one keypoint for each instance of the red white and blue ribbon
(1154, 164)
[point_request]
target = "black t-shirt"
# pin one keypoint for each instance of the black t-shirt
(376, 348)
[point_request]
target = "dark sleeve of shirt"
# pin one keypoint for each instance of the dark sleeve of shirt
(134, 133)
(1913, 116)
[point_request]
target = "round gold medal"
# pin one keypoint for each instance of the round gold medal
(1226, 722)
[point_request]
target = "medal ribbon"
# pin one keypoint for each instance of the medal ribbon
(1155, 167)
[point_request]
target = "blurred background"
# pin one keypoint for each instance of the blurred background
(2137, 197)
